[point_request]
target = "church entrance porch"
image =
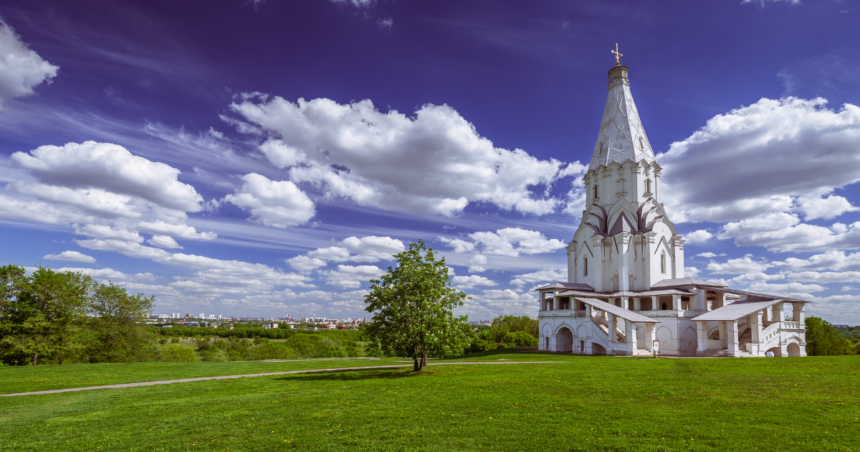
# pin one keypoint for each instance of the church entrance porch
(564, 341)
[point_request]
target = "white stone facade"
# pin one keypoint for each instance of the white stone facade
(627, 258)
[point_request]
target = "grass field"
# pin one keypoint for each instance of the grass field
(576, 403)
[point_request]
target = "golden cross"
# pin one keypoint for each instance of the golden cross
(617, 55)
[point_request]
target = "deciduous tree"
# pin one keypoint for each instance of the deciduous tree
(41, 313)
(120, 335)
(412, 307)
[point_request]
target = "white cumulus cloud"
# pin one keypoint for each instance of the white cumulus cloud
(434, 162)
(72, 256)
(273, 203)
(21, 69)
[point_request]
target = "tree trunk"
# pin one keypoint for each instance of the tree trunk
(35, 358)
(423, 359)
(417, 366)
(61, 360)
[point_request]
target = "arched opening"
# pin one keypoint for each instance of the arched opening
(597, 349)
(775, 350)
(793, 349)
(584, 266)
(663, 306)
(663, 263)
(581, 346)
(546, 344)
(564, 341)
(615, 282)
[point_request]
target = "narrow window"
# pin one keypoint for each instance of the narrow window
(641, 143)
(663, 263)
(647, 185)
(585, 266)
(595, 190)
(601, 147)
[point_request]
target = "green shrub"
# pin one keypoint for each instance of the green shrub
(178, 354)
(520, 339)
(270, 350)
(211, 356)
(174, 340)
(162, 341)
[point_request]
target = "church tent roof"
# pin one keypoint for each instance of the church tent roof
(616, 311)
(622, 137)
(735, 311)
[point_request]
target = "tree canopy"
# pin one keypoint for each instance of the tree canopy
(68, 315)
(412, 307)
(822, 339)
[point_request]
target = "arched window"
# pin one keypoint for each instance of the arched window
(663, 263)
(595, 190)
(601, 147)
(641, 143)
(647, 185)
(585, 266)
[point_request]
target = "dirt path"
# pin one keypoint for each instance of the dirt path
(227, 377)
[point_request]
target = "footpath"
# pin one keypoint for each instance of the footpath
(228, 377)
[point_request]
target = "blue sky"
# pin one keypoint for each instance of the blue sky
(267, 157)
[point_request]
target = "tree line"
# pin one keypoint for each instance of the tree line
(60, 317)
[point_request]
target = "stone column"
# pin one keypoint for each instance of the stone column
(555, 300)
(572, 267)
(552, 343)
(623, 266)
(610, 323)
(541, 342)
(702, 337)
(625, 303)
(723, 334)
(650, 335)
(676, 303)
(721, 299)
(778, 312)
(798, 312)
(732, 340)
(631, 336)
(647, 259)
(597, 268)
(678, 258)
(655, 303)
(700, 303)
(755, 329)
(637, 304)
(611, 300)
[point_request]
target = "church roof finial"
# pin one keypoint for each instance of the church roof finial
(617, 55)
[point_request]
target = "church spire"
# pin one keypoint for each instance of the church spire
(621, 137)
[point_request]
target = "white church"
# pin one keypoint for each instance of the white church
(626, 293)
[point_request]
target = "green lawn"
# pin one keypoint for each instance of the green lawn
(577, 403)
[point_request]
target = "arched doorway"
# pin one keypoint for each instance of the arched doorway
(793, 349)
(564, 340)
(597, 349)
(774, 350)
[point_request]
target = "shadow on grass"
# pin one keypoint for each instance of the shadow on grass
(499, 351)
(361, 374)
